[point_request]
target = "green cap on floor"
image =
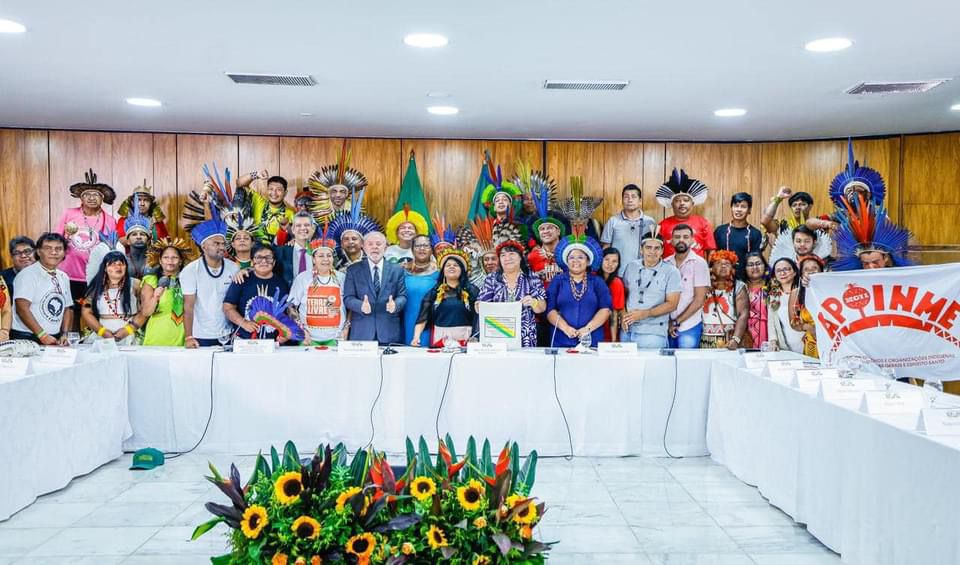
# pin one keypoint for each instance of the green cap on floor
(146, 459)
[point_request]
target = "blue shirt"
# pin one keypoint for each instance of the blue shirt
(577, 313)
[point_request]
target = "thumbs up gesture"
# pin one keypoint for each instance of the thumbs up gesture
(391, 305)
(365, 307)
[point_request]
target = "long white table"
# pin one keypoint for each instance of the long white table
(614, 406)
(868, 487)
(59, 423)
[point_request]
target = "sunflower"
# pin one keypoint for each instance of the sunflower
(345, 497)
(288, 487)
(254, 520)
(470, 495)
(423, 488)
(407, 548)
(361, 545)
(527, 515)
(480, 523)
(279, 559)
(481, 560)
(436, 538)
(306, 527)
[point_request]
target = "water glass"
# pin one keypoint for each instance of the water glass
(934, 389)
(73, 338)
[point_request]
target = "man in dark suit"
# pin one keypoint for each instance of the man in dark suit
(375, 293)
(295, 257)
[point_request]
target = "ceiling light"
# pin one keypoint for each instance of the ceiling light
(306, 114)
(425, 40)
(828, 44)
(438, 95)
(443, 110)
(729, 112)
(147, 102)
(10, 26)
(955, 107)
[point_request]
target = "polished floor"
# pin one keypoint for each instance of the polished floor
(602, 510)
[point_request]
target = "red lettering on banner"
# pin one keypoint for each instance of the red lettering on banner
(948, 317)
(902, 301)
(927, 306)
(878, 303)
(828, 326)
(835, 308)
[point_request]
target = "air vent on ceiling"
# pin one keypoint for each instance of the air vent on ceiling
(882, 88)
(273, 80)
(585, 84)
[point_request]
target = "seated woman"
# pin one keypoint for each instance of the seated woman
(578, 302)
(800, 318)
(781, 335)
(726, 306)
(318, 296)
(449, 308)
(6, 311)
(420, 279)
(512, 283)
(757, 295)
(618, 294)
(261, 297)
(161, 298)
(110, 309)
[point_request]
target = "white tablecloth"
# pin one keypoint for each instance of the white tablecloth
(868, 487)
(613, 406)
(59, 423)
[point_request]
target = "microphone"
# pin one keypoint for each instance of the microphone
(164, 282)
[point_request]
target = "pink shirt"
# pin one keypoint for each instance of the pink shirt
(81, 243)
(694, 272)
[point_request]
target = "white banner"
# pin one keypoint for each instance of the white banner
(904, 318)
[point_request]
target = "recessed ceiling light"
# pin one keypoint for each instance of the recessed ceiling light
(729, 112)
(438, 95)
(147, 102)
(443, 110)
(955, 107)
(306, 114)
(10, 26)
(828, 44)
(425, 40)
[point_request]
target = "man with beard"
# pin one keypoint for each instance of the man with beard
(205, 283)
(739, 236)
(681, 193)
(686, 322)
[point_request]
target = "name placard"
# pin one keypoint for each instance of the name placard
(757, 360)
(845, 390)
(899, 400)
(486, 348)
(617, 349)
(808, 380)
(105, 346)
(782, 370)
(14, 366)
(358, 348)
(59, 356)
(939, 421)
(250, 346)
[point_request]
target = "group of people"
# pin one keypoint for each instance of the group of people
(322, 270)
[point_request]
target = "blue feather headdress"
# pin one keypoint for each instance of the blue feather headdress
(353, 220)
(867, 228)
(443, 234)
(271, 313)
(135, 220)
(854, 178)
(542, 190)
(585, 243)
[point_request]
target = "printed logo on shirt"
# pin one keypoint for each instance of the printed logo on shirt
(51, 306)
(323, 307)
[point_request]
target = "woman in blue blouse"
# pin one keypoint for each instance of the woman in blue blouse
(578, 302)
(421, 277)
(512, 283)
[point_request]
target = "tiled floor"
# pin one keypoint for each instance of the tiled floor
(608, 510)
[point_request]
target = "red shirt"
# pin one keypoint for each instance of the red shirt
(702, 234)
(618, 295)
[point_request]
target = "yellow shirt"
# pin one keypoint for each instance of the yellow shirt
(268, 215)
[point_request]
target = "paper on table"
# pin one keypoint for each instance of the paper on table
(939, 421)
(895, 401)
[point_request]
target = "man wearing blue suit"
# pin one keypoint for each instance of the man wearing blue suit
(375, 293)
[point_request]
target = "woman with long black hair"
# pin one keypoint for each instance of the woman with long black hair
(609, 266)
(800, 318)
(111, 309)
(514, 283)
(448, 309)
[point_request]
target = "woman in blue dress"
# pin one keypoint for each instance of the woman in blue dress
(421, 278)
(578, 302)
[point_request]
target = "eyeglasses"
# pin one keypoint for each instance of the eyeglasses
(51, 249)
(422, 246)
(263, 259)
(784, 271)
(24, 253)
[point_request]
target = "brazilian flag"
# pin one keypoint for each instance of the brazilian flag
(411, 193)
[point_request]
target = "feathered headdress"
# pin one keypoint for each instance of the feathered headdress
(187, 252)
(134, 220)
(783, 246)
(866, 228)
(90, 183)
(493, 176)
(329, 176)
(542, 190)
(578, 208)
(458, 255)
(208, 205)
(324, 239)
(443, 236)
(723, 255)
(578, 240)
(142, 191)
(853, 179)
(352, 220)
(403, 216)
(271, 312)
(679, 183)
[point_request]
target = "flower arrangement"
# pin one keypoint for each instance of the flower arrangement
(332, 508)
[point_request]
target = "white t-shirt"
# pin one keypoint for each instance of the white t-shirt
(320, 305)
(49, 297)
(209, 322)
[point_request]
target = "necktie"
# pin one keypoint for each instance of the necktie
(376, 280)
(303, 261)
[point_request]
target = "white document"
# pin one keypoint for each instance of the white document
(65, 356)
(486, 348)
(358, 348)
(898, 400)
(939, 421)
(808, 380)
(500, 322)
(14, 366)
(248, 346)
(845, 390)
(617, 349)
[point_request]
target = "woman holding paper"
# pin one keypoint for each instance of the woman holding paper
(513, 283)
(800, 318)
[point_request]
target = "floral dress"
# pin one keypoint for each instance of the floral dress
(495, 290)
(757, 319)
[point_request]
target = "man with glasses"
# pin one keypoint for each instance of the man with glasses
(262, 282)
(42, 296)
(653, 292)
(624, 231)
(204, 283)
(23, 251)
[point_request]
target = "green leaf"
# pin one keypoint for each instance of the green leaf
(260, 466)
(222, 559)
(274, 459)
(216, 474)
(291, 459)
(411, 451)
(340, 455)
(254, 553)
(205, 527)
(528, 474)
(424, 460)
(358, 468)
(486, 460)
(515, 459)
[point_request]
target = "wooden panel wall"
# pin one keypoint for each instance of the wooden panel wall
(36, 168)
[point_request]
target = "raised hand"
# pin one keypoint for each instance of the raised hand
(365, 307)
(784, 192)
(391, 305)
